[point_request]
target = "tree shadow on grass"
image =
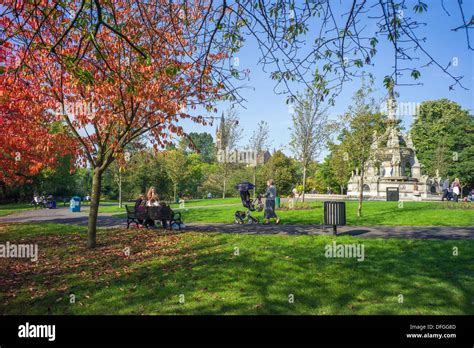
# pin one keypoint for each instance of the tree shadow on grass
(258, 280)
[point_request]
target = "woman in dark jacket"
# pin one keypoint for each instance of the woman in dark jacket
(140, 208)
(270, 196)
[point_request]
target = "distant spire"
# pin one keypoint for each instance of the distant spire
(222, 121)
(391, 104)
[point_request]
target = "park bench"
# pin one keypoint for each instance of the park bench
(159, 213)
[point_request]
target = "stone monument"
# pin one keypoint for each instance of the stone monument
(393, 165)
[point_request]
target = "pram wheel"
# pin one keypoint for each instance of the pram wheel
(252, 221)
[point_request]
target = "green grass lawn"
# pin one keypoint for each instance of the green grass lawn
(374, 213)
(7, 209)
(214, 280)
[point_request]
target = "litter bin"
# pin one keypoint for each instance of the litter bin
(277, 202)
(75, 206)
(393, 194)
(335, 214)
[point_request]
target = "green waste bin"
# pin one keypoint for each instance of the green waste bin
(277, 202)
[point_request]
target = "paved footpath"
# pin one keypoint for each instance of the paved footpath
(62, 215)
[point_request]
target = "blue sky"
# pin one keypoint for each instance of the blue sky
(442, 43)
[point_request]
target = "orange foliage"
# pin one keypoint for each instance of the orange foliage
(112, 85)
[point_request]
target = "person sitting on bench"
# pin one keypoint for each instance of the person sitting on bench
(155, 202)
(140, 208)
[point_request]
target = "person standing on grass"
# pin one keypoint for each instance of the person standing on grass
(445, 189)
(270, 196)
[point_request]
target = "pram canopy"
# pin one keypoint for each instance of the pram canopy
(243, 189)
(244, 186)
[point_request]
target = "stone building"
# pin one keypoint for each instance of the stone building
(393, 165)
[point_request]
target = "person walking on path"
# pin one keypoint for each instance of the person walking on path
(445, 189)
(270, 196)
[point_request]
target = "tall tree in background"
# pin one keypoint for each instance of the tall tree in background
(203, 144)
(120, 166)
(310, 129)
(259, 142)
(176, 164)
(360, 123)
(443, 135)
(260, 139)
(283, 170)
(339, 164)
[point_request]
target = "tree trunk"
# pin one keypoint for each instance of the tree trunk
(120, 189)
(94, 208)
(361, 193)
(304, 181)
(4, 191)
(223, 190)
(225, 177)
(342, 189)
(175, 189)
(225, 174)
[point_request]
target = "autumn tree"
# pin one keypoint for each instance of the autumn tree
(292, 37)
(115, 93)
(31, 139)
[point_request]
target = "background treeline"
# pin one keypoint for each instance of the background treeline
(442, 132)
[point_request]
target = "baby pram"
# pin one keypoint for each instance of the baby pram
(241, 217)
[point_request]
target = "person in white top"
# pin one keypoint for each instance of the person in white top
(456, 189)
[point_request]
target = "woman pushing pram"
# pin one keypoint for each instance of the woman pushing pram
(270, 197)
(256, 205)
